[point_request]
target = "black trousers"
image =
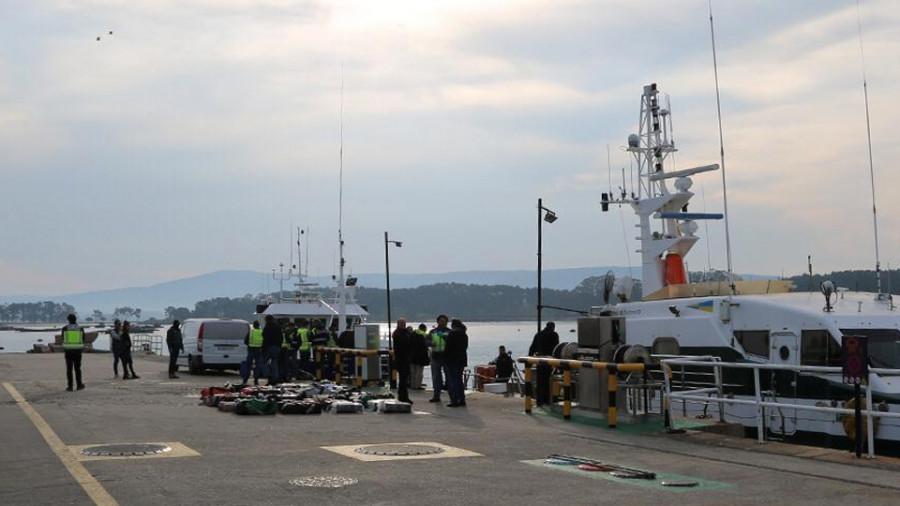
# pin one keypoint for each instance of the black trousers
(173, 360)
(403, 381)
(542, 384)
(127, 362)
(73, 361)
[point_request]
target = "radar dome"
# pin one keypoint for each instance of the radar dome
(634, 141)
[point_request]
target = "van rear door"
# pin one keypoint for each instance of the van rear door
(223, 341)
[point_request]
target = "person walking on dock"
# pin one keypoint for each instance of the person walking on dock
(437, 340)
(175, 342)
(418, 358)
(254, 342)
(115, 342)
(73, 345)
(401, 338)
(287, 358)
(543, 344)
(127, 362)
(304, 347)
(455, 360)
(272, 339)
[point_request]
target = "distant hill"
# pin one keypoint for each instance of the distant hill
(236, 283)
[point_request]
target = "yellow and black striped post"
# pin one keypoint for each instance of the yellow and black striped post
(318, 362)
(528, 389)
(567, 394)
(613, 390)
(338, 367)
(394, 372)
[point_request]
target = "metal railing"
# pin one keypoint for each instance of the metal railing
(715, 393)
(147, 343)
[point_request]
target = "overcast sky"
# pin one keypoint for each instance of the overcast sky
(200, 132)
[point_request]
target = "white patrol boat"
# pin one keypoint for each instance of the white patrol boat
(744, 321)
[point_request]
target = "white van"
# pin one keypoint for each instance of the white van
(213, 343)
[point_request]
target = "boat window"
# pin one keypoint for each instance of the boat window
(819, 348)
(884, 346)
(754, 342)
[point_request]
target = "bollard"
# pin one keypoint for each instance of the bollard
(318, 362)
(528, 389)
(613, 380)
(567, 394)
(359, 374)
(338, 367)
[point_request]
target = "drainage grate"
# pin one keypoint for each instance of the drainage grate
(399, 450)
(125, 450)
(324, 481)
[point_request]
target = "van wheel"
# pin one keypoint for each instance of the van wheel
(193, 366)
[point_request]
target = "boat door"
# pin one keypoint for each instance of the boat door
(785, 350)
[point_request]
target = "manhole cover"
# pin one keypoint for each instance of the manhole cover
(399, 450)
(125, 450)
(324, 481)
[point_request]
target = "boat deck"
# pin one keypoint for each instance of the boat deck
(221, 458)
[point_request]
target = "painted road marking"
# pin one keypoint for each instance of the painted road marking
(448, 452)
(91, 486)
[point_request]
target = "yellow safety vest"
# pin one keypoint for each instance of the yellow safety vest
(331, 341)
(73, 339)
(256, 338)
(422, 333)
(439, 340)
(304, 339)
(286, 341)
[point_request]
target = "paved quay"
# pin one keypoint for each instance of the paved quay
(221, 458)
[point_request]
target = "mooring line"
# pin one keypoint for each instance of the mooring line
(88, 483)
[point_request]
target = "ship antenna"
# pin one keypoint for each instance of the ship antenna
(712, 33)
(862, 57)
(621, 215)
(342, 303)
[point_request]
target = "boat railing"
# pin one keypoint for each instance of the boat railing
(717, 395)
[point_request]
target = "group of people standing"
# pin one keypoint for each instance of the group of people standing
(73, 349)
(283, 352)
(448, 347)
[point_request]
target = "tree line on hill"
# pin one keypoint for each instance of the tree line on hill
(423, 303)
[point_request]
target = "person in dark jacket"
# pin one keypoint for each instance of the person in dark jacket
(125, 352)
(175, 342)
(402, 341)
(272, 339)
(455, 360)
(115, 340)
(418, 356)
(504, 364)
(543, 344)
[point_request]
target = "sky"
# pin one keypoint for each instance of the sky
(199, 134)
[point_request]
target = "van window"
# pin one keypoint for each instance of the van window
(754, 342)
(817, 347)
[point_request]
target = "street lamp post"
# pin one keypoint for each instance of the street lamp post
(550, 217)
(387, 275)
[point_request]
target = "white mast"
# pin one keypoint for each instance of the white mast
(869, 136)
(342, 289)
(712, 33)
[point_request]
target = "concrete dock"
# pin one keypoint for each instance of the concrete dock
(493, 452)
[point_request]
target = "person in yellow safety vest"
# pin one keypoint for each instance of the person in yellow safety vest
(73, 344)
(437, 339)
(287, 357)
(304, 346)
(254, 342)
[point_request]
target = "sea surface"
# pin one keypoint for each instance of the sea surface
(484, 338)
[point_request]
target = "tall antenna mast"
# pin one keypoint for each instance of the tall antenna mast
(342, 290)
(862, 57)
(712, 33)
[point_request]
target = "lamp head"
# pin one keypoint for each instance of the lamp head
(550, 217)
(399, 244)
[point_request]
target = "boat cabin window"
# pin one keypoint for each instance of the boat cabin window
(884, 346)
(754, 342)
(819, 348)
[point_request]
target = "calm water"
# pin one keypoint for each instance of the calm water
(484, 338)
